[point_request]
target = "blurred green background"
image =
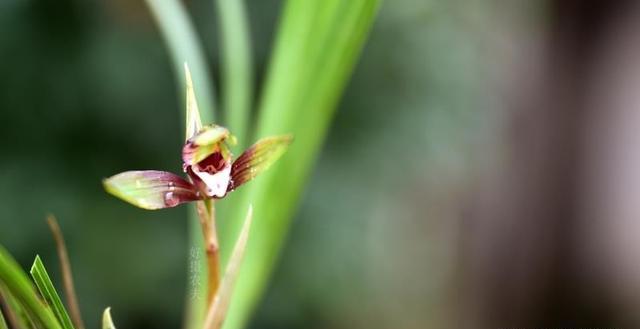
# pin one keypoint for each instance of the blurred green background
(408, 220)
(87, 91)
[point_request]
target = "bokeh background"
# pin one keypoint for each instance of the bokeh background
(483, 169)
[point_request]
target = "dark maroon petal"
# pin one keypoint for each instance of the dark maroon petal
(151, 189)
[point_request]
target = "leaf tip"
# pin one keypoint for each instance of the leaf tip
(37, 261)
(107, 321)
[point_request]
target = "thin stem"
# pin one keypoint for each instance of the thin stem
(206, 212)
(67, 276)
(218, 309)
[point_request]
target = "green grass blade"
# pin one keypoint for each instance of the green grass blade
(48, 292)
(15, 315)
(317, 47)
(180, 37)
(19, 286)
(237, 70)
(3, 323)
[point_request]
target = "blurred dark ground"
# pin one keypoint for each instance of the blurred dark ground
(483, 170)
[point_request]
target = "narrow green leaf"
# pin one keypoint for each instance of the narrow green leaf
(182, 42)
(107, 322)
(18, 284)
(3, 323)
(317, 46)
(237, 70)
(15, 314)
(49, 293)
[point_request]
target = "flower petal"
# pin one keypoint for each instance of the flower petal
(211, 134)
(206, 142)
(258, 158)
(151, 189)
(194, 124)
(216, 184)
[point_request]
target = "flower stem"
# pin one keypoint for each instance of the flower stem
(206, 212)
(218, 309)
(65, 266)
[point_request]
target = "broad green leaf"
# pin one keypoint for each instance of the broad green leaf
(49, 293)
(107, 322)
(317, 46)
(218, 310)
(151, 189)
(18, 285)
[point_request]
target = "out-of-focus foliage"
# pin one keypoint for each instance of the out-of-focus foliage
(317, 46)
(20, 297)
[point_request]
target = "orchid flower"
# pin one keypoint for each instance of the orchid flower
(207, 162)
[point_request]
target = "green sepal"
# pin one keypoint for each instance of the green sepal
(151, 189)
(194, 123)
(258, 158)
